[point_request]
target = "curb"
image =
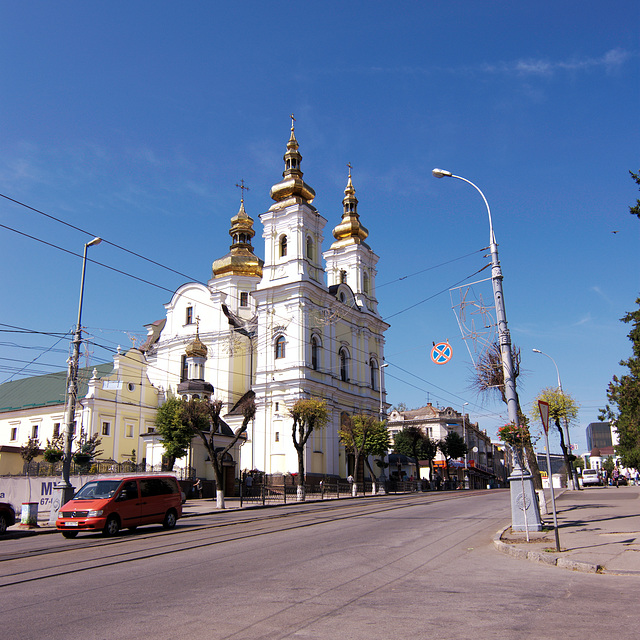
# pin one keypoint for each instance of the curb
(549, 559)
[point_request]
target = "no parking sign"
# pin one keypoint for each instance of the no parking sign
(441, 353)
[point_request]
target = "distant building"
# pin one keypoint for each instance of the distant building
(481, 459)
(599, 435)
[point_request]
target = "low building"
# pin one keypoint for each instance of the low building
(115, 400)
(476, 469)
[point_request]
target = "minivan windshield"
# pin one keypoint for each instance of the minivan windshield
(97, 490)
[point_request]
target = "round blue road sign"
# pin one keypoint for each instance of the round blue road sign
(441, 353)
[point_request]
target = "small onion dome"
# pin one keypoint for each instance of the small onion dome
(350, 230)
(196, 349)
(240, 261)
(292, 185)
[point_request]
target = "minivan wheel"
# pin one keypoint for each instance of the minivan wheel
(69, 534)
(3, 523)
(112, 527)
(170, 519)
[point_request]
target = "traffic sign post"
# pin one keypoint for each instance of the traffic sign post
(544, 417)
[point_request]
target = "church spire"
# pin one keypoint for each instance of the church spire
(292, 187)
(240, 260)
(350, 230)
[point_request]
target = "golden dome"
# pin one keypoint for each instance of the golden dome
(350, 230)
(240, 261)
(292, 186)
(196, 349)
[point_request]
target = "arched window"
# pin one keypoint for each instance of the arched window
(280, 344)
(184, 368)
(365, 282)
(309, 248)
(344, 365)
(315, 353)
(189, 315)
(283, 246)
(343, 277)
(373, 373)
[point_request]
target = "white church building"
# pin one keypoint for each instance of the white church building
(302, 323)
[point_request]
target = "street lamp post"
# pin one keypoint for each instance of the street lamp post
(65, 488)
(501, 314)
(382, 366)
(527, 496)
(566, 421)
(464, 438)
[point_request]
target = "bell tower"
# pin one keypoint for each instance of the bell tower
(350, 259)
(293, 228)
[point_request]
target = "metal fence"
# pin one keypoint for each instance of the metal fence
(101, 467)
(282, 491)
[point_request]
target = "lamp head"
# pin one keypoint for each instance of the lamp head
(94, 242)
(382, 366)
(536, 351)
(442, 173)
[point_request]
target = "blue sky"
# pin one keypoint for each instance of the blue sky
(135, 121)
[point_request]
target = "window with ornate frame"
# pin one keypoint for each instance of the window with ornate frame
(315, 353)
(280, 347)
(373, 372)
(344, 364)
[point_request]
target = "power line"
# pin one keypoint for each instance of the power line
(113, 244)
(172, 291)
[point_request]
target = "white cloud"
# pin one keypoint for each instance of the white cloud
(541, 67)
(584, 320)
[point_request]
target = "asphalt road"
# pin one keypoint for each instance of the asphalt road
(418, 566)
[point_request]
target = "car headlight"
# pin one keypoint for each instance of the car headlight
(94, 513)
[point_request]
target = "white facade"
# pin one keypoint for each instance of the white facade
(280, 329)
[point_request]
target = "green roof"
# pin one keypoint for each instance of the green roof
(47, 390)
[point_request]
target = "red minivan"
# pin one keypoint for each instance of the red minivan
(125, 502)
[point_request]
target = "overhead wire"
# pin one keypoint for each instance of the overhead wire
(196, 281)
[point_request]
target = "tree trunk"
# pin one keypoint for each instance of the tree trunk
(217, 473)
(374, 488)
(565, 455)
(300, 494)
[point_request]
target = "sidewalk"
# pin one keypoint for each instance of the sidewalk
(599, 531)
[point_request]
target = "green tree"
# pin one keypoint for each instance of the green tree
(635, 210)
(562, 409)
(87, 449)
(452, 446)
(488, 379)
(623, 395)
(412, 442)
(608, 465)
(308, 415)
(30, 450)
(578, 463)
(379, 444)
(362, 436)
(204, 416)
(175, 433)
